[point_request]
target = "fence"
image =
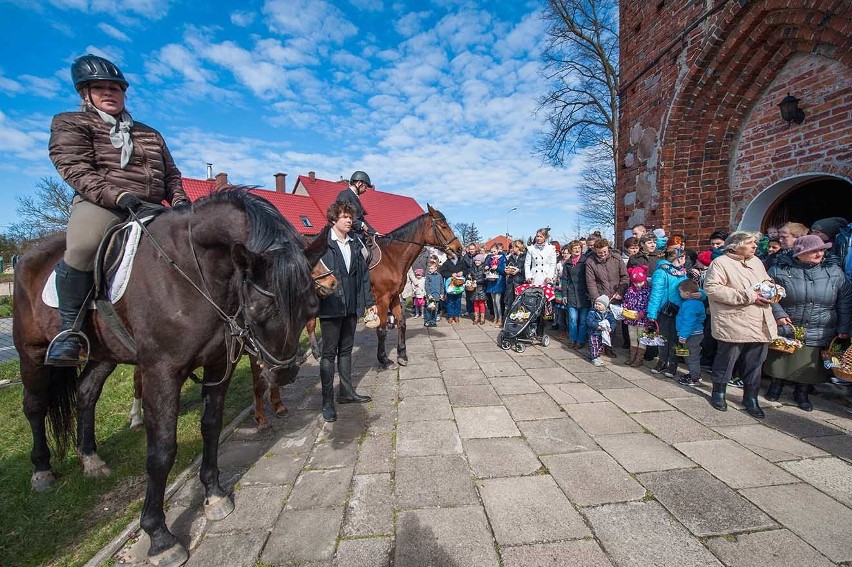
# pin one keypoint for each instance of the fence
(7, 348)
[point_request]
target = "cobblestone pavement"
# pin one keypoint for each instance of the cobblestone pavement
(475, 456)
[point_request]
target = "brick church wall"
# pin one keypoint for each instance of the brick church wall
(700, 128)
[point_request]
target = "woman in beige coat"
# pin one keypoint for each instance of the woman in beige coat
(741, 320)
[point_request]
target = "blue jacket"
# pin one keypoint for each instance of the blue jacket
(664, 288)
(434, 285)
(594, 318)
(690, 318)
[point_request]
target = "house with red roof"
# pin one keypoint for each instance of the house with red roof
(306, 205)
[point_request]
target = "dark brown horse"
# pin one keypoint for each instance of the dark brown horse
(239, 278)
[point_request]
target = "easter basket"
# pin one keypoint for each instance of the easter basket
(838, 360)
(770, 291)
(681, 350)
(470, 285)
(651, 336)
(788, 345)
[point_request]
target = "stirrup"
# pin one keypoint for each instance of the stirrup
(64, 335)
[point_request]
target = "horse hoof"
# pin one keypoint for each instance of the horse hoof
(42, 480)
(94, 467)
(402, 361)
(136, 424)
(172, 557)
(218, 508)
(282, 411)
(316, 353)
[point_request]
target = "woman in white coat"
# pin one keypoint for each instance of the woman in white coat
(540, 264)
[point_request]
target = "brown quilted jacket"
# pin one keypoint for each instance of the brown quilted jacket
(85, 158)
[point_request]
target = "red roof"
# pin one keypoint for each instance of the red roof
(386, 211)
(500, 238)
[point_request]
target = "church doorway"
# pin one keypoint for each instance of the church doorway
(802, 199)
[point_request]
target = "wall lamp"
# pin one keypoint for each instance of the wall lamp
(790, 111)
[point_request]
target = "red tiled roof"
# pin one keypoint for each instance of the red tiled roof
(197, 188)
(294, 208)
(499, 238)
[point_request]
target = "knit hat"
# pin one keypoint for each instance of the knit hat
(659, 232)
(830, 226)
(603, 299)
(705, 257)
(418, 272)
(638, 274)
(809, 243)
(479, 258)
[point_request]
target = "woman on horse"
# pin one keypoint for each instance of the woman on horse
(113, 164)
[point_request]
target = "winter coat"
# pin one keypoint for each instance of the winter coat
(521, 276)
(81, 150)
(594, 318)
(448, 268)
(353, 295)
(636, 299)
(818, 298)
(664, 288)
(435, 286)
(606, 277)
(650, 259)
(575, 293)
(734, 315)
(498, 285)
(540, 264)
(348, 195)
(690, 318)
(418, 286)
(477, 274)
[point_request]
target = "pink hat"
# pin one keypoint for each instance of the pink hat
(705, 257)
(809, 243)
(638, 274)
(418, 272)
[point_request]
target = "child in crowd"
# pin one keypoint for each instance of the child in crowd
(418, 284)
(434, 289)
(477, 274)
(600, 322)
(690, 330)
(636, 301)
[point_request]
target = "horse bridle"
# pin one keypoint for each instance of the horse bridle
(323, 275)
(438, 237)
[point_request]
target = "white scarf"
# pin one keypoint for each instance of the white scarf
(119, 134)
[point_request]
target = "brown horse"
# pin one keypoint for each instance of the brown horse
(225, 273)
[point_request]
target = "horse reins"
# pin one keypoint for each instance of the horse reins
(438, 236)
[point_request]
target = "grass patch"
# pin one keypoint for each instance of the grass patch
(68, 524)
(11, 371)
(6, 306)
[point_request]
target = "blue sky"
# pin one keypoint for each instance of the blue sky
(434, 99)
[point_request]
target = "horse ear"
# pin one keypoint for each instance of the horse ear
(241, 257)
(429, 207)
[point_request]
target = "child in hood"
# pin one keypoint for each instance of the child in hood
(636, 301)
(418, 284)
(600, 322)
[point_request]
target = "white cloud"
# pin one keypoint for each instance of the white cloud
(10, 86)
(113, 32)
(151, 9)
(410, 23)
(21, 141)
(368, 5)
(314, 20)
(243, 19)
(47, 87)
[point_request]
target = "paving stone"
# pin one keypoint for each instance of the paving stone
(382, 418)
(664, 388)
(635, 400)
(423, 438)
(424, 408)
(830, 475)
(640, 452)
(580, 553)
(551, 375)
(769, 443)
(837, 445)
(476, 395)
(500, 457)
(274, 469)
(364, 552)
(532, 406)
(457, 537)
(422, 387)
(370, 507)
(813, 516)
(375, 454)
(254, 509)
(550, 436)
(734, 465)
(776, 548)
(352, 420)
(699, 408)
(592, 478)
(536, 361)
(572, 393)
(482, 355)
(482, 422)
(530, 509)
(320, 488)
(420, 370)
(798, 423)
(603, 380)
(433, 481)
(455, 364)
(456, 351)
(497, 369)
(464, 378)
(236, 458)
(674, 427)
(630, 373)
(703, 504)
(238, 550)
(602, 419)
(515, 385)
(328, 454)
(664, 542)
(187, 523)
(303, 536)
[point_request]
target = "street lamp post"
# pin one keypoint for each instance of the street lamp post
(507, 220)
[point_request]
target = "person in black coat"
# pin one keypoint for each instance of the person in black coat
(515, 272)
(359, 182)
(339, 312)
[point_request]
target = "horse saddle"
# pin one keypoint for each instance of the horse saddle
(370, 251)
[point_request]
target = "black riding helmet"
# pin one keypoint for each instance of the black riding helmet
(360, 176)
(89, 68)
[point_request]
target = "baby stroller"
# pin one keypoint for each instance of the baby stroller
(520, 326)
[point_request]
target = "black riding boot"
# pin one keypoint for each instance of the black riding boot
(72, 289)
(717, 397)
(774, 390)
(750, 402)
(800, 396)
(347, 393)
(329, 413)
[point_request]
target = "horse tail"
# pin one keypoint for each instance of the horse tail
(62, 407)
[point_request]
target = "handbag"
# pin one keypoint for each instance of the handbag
(669, 309)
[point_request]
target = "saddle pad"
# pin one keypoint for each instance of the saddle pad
(118, 285)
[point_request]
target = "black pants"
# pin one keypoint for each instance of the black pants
(468, 302)
(709, 346)
(748, 357)
(669, 332)
(338, 337)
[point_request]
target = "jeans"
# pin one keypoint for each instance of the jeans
(560, 315)
(497, 300)
(453, 303)
(693, 360)
(430, 316)
(577, 324)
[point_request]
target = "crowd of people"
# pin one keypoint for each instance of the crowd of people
(732, 308)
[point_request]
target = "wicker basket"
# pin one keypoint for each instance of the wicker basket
(769, 288)
(681, 350)
(652, 337)
(470, 286)
(839, 362)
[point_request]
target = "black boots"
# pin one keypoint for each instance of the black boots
(750, 403)
(717, 397)
(800, 396)
(329, 413)
(347, 394)
(72, 289)
(774, 390)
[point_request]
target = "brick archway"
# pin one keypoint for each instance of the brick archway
(725, 79)
(754, 215)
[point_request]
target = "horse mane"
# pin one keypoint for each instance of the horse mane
(406, 231)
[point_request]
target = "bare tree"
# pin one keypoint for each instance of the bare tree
(467, 232)
(580, 61)
(46, 211)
